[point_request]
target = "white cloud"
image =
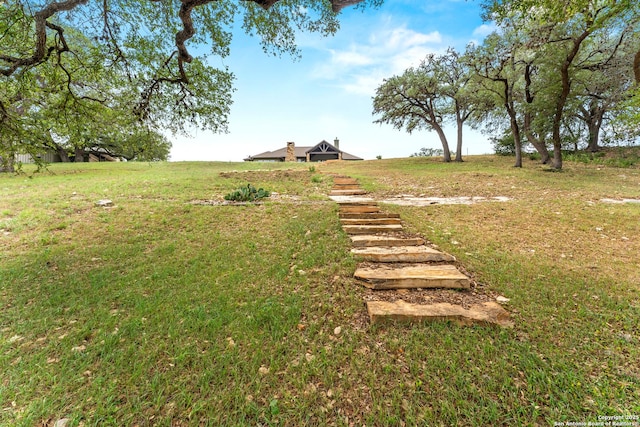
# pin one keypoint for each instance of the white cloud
(350, 58)
(484, 30)
(361, 67)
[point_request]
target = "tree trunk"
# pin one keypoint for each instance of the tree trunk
(460, 123)
(562, 99)
(8, 164)
(596, 115)
(539, 145)
(636, 67)
(557, 117)
(79, 153)
(445, 144)
(64, 156)
(515, 130)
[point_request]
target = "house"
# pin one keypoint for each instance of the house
(46, 156)
(318, 153)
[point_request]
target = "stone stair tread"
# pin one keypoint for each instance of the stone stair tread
(366, 215)
(351, 201)
(372, 240)
(487, 313)
(369, 229)
(347, 192)
(344, 180)
(410, 254)
(355, 186)
(360, 209)
(370, 221)
(384, 276)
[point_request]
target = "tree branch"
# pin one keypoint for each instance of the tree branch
(636, 67)
(41, 52)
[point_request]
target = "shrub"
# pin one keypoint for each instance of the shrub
(428, 152)
(247, 194)
(316, 179)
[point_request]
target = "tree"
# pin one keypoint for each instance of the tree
(143, 50)
(412, 101)
(566, 26)
(455, 76)
(604, 80)
(426, 97)
(495, 65)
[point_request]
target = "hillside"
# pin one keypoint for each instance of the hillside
(169, 307)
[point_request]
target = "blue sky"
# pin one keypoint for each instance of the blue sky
(328, 92)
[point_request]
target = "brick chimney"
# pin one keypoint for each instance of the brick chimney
(291, 152)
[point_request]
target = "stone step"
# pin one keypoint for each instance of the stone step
(369, 221)
(384, 276)
(347, 187)
(359, 209)
(347, 192)
(369, 240)
(371, 229)
(373, 215)
(349, 200)
(410, 254)
(342, 180)
(356, 201)
(488, 313)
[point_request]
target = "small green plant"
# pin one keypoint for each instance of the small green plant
(316, 179)
(312, 169)
(428, 152)
(247, 194)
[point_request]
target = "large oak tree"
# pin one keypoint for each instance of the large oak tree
(153, 56)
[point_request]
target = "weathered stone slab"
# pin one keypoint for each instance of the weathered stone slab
(360, 209)
(488, 313)
(409, 254)
(371, 229)
(616, 201)
(369, 240)
(359, 201)
(347, 187)
(373, 215)
(341, 200)
(340, 180)
(369, 221)
(413, 276)
(347, 192)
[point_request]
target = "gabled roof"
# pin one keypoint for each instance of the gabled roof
(322, 147)
(325, 147)
(281, 153)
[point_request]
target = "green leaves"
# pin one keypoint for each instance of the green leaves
(147, 60)
(247, 194)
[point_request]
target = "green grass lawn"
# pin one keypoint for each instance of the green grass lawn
(169, 310)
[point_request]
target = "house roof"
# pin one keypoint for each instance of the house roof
(300, 152)
(282, 153)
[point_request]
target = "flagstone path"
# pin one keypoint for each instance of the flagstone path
(393, 260)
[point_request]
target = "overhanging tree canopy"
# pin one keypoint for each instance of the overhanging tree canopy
(152, 56)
